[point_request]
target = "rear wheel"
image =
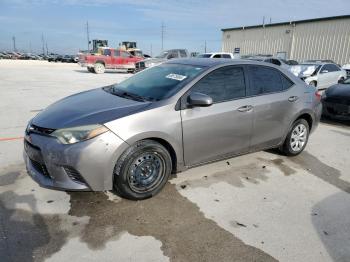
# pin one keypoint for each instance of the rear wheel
(99, 68)
(313, 83)
(142, 170)
(297, 138)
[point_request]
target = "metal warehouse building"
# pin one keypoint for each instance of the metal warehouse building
(321, 38)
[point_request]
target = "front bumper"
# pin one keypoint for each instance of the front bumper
(83, 166)
(336, 110)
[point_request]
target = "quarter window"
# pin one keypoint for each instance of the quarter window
(225, 56)
(223, 84)
(265, 80)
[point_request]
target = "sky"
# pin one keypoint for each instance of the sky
(187, 24)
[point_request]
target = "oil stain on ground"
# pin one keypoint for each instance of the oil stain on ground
(236, 176)
(185, 233)
(321, 170)
(280, 164)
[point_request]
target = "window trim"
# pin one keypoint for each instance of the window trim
(183, 98)
(269, 93)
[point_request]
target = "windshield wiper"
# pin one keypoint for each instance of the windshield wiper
(125, 94)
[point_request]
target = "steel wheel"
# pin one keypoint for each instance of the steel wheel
(99, 68)
(146, 172)
(298, 137)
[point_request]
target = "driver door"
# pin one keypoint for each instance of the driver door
(224, 128)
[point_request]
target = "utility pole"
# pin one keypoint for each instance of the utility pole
(163, 31)
(47, 49)
(14, 43)
(263, 21)
(88, 35)
(205, 46)
(151, 51)
(43, 42)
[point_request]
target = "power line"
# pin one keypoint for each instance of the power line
(88, 34)
(163, 31)
(43, 42)
(14, 43)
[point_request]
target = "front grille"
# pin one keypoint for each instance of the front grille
(41, 168)
(39, 130)
(74, 175)
(140, 65)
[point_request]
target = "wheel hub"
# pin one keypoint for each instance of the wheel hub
(146, 172)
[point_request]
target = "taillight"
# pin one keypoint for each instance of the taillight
(318, 95)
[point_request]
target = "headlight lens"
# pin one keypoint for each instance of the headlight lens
(77, 134)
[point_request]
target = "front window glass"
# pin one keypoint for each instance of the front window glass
(223, 84)
(159, 82)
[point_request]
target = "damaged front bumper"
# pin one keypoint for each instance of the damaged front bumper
(84, 166)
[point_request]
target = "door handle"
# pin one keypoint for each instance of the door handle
(293, 98)
(245, 108)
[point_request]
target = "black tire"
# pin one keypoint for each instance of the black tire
(341, 80)
(91, 69)
(145, 161)
(287, 147)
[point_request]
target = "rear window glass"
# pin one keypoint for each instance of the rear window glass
(265, 80)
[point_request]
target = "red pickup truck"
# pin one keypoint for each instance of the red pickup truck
(108, 58)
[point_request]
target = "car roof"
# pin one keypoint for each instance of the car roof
(211, 62)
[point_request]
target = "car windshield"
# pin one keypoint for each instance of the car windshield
(157, 83)
(162, 54)
(305, 69)
(204, 56)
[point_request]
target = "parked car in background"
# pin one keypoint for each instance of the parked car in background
(273, 60)
(216, 55)
(68, 59)
(110, 59)
(116, 136)
(336, 101)
(161, 58)
(55, 58)
(320, 75)
(347, 69)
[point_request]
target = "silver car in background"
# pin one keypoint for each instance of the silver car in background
(131, 136)
(320, 75)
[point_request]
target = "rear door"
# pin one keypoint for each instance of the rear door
(225, 127)
(275, 100)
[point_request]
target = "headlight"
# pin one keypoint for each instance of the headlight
(77, 134)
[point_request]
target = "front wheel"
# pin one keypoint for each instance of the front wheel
(297, 138)
(341, 80)
(142, 170)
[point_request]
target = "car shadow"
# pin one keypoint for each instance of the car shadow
(330, 218)
(334, 122)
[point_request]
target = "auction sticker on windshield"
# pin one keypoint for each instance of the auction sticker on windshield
(176, 77)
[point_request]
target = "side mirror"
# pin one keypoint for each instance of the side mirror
(324, 71)
(199, 99)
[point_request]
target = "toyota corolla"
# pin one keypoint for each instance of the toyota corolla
(132, 136)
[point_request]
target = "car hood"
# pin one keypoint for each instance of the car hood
(95, 106)
(154, 60)
(339, 90)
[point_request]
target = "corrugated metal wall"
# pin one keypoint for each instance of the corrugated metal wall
(328, 39)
